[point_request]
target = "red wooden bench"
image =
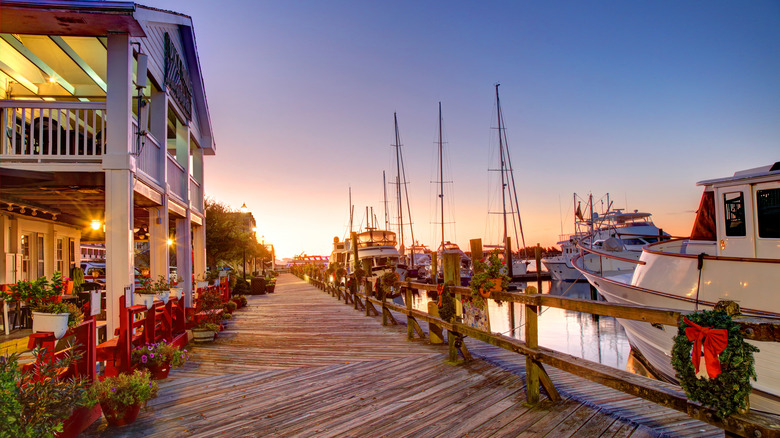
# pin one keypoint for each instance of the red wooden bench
(199, 314)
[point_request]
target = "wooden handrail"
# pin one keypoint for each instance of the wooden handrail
(751, 424)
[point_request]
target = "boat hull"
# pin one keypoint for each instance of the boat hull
(656, 343)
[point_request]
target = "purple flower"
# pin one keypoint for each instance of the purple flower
(151, 355)
(151, 348)
(143, 359)
(113, 389)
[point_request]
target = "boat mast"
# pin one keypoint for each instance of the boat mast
(441, 181)
(384, 187)
(398, 181)
(507, 249)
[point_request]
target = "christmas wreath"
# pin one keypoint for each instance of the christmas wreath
(718, 377)
(446, 303)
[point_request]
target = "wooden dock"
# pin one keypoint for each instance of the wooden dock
(301, 363)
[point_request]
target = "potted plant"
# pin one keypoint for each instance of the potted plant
(230, 306)
(205, 332)
(162, 288)
(55, 317)
(270, 284)
(176, 291)
(158, 358)
(121, 397)
(488, 277)
(240, 301)
(146, 293)
(36, 401)
(45, 300)
(388, 281)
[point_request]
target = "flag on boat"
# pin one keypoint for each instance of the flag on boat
(579, 212)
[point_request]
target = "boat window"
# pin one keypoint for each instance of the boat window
(768, 209)
(734, 204)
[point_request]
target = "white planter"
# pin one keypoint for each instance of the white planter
(177, 292)
(163, 296)
(145, 299)
(95, 302)
(202, 284)
(50, 322)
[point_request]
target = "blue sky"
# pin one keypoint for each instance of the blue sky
(640, 99)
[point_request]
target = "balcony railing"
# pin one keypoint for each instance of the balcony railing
(196, 195)
(33, 131)
(176, 182)
(149, 163)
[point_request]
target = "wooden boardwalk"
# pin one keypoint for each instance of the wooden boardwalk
(300, 363)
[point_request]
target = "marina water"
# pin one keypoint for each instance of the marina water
(592, 337)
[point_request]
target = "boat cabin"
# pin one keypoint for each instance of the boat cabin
(739, 216)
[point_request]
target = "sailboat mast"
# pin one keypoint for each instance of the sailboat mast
(398, 181)
(384, 187)
(507, 249)
(441, 180)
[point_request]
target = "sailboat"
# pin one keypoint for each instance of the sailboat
(447, 246)
(512, 224)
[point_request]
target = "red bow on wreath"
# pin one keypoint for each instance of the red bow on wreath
(714, 341)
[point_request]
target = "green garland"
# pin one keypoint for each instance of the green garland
(447, 310)
(728, 392)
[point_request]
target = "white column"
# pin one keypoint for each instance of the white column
(119, 167)
(184, 257)
(158, 240)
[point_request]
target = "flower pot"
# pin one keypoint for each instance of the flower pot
(203, 336)
(121, 416)
(177, 292)
(485, 292)
(54, 299)
(270, 289)
(51, 322)
(79, 421)
(160, 371)
(145, 299)
(163, 296)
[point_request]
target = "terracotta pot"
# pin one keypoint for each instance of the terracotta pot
(496, 287)
(159, 372)
(122, 416)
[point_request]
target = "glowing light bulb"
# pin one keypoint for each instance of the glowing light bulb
(95, 224)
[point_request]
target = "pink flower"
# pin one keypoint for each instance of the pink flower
(143, 359)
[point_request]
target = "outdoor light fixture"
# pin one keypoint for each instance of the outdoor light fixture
(170, 241)
(95, 224)
(53, 80)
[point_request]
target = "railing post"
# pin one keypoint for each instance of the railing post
(409, 317)
(531, 340)
(434, 331)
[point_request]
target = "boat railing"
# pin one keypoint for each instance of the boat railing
(362, 297)
(606, 254)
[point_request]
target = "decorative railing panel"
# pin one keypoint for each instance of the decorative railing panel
(64, 130)
(149, 162)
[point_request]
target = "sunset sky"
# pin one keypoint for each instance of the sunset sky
(639, 99)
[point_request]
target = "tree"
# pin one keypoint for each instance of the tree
(226, 234)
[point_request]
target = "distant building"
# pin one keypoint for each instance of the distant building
(105, 126)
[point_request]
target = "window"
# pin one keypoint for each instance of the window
(25, 250)
(39, 252)
(58, 255)
(734, 204)
(768, 209)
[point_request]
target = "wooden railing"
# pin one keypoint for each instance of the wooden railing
(749, 425)
(33, 131)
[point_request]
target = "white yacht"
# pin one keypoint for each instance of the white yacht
(733, 254)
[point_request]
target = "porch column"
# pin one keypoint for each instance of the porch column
(7, 261)
(199, 249)
(158, 240)
(184, 256)
(119, 167)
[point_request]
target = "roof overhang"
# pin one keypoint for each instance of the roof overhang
(73, 18)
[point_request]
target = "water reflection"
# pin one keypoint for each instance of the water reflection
(595, 338)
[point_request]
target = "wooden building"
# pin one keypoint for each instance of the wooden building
(105, 126)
